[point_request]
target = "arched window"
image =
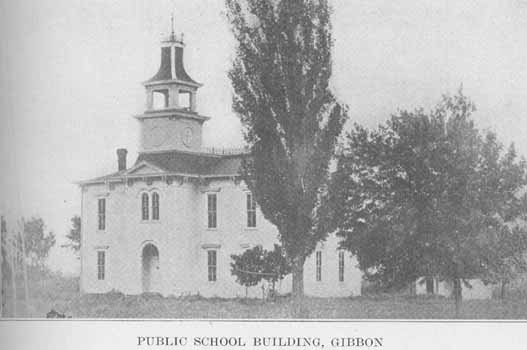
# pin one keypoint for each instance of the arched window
(144, 206)
(155, 206)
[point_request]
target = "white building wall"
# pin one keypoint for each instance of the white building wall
(183, 239)
(329, 284)
(477, 289)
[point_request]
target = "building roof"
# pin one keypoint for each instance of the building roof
(208, 164)
(204, 164)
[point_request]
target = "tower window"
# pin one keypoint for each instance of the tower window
(251, 210)
(318, 269)
(341, 266)
(184, 99)
(101, 213)
(101, 265)
(155, 206)
(212, 201)
(211, 265)
(144, 206)
(160, 99)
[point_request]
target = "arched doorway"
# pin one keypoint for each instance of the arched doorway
(150, 262)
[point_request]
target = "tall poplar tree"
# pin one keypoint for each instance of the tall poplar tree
(291, 119)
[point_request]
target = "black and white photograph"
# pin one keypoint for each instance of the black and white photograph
(263, 160)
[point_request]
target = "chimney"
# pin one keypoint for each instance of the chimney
(121, 159)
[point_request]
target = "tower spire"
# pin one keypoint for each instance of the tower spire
(172, 34)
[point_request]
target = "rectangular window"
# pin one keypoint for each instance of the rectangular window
(101, 204)
(318, 258)
(144, 206)
(212, 202)
(211, 265)
(341, 266)
(251, 211)
(155, 206)
(101, 262)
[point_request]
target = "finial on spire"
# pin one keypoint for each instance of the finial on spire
(172, 37)
(172, 24)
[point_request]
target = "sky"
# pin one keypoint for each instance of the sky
(71, 73)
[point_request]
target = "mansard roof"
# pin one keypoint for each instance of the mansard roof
(210, 164)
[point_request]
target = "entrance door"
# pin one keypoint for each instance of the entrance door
(150, 262)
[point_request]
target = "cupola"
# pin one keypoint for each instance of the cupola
(171, 86)
(171, 120)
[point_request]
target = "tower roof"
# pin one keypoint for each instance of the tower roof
(172, 67)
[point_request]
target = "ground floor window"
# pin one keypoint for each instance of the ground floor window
(318, 259)
(211, 265)
(101, 262)
(341, 266)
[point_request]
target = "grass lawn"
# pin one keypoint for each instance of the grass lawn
(62, 295)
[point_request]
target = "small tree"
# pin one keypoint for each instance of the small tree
(248, 267)
(276, 266)
(257, 264)
(38, 243)
(74, 236)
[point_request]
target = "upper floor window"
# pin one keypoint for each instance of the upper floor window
(211, 265)
(212, 201)
(144, 206)
(318, 269)
(341, 266)
(155, 206)
(101, 213)
(251, 210)
(101, 264)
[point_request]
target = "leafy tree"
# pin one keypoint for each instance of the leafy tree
(505, 256)
(291, 119)
(37, 242)
(275, 265)
(248, 267)
(428, 195)
(257, 264)
(74, 236)
(506, 240)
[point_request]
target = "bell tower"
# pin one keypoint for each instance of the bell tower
(171, 120)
